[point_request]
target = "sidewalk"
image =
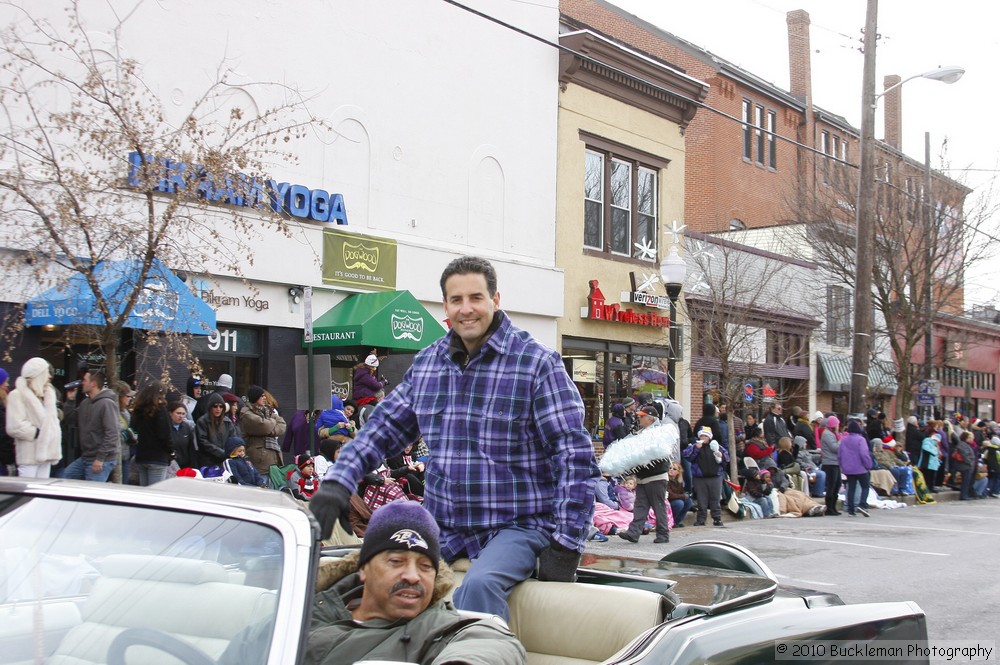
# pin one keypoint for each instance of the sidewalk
(943, 495)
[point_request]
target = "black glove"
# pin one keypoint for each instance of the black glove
(557, 563)
(328, 504)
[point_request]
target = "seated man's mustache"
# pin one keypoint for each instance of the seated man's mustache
(404, 586)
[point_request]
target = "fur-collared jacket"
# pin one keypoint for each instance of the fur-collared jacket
(33, 423)
(437, 636)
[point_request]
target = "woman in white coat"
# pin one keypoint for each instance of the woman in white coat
(33, 421)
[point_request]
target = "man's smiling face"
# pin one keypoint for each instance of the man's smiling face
(470, 308)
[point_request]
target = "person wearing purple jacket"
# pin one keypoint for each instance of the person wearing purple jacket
(855, 462)
(512, 476)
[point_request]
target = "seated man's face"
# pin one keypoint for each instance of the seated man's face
(398, 585)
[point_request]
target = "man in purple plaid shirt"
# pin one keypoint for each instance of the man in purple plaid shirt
(512, 475)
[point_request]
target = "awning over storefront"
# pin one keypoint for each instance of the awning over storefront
(164, 303)
(835, 375)
(391, 320)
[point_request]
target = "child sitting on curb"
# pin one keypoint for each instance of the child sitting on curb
(241, 471)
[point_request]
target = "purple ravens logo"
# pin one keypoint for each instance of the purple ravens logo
(410, 538)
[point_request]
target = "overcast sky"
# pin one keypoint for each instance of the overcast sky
(916, 36)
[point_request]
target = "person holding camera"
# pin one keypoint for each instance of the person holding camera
(708, 464)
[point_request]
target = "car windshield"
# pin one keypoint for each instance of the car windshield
(76, 576)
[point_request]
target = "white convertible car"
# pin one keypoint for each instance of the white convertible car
(186, 570)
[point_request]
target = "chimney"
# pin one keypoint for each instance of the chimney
(893, 101)
(799, 64)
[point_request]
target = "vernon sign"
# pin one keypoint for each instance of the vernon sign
(239, 190)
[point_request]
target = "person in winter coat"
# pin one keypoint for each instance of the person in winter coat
(966, 466)
(758, 489)
(855, 460)
(914, 440)
(386, 602)
(151, 423)
(215, 427)
(192, 395)
(262, 427)
(774, 425)
(678, 498)
(242, 470)
(991, 458)
(708, 465)
(367, 382)
(829, 446)
(300, 437)
(8, 461)
(334, 423)
(650, 490)
(614, 429)
(98, 429)
(930, 459)
(33, 420)
(303, 480)
(188, 450)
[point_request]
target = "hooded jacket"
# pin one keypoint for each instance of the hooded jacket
(854, 455)
(333, 416)
(213, 439)
(439, 634)
(98, 422)
(33, 423)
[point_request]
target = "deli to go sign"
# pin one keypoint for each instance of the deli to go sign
(239, 190)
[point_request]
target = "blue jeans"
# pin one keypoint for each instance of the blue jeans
(766, 507)
(151, 473)
(507, 559)
(994, 485)
(853, 480)
(83, 469)
(680, 508)
(817, 487)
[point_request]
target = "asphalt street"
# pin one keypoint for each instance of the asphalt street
(944, 556)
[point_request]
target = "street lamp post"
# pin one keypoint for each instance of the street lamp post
(673, 269)
(865, 209)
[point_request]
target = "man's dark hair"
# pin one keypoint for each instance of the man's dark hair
(469, 265)
(98, 377)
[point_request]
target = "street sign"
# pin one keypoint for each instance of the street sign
(307, 311)
(926, 399)
(929, 387)
(748, 392)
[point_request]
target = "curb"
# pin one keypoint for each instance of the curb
(943, 495)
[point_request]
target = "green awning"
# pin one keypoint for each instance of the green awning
(835, 375)
(391, 320)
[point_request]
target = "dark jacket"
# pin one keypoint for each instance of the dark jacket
(712, 423)
(775, 427)
(189, 452)
(703, 464)
(436, 635)
(914, 441)
(153, 436)
(214, 438)
(98, 424)
(245, 473)
(6, 441)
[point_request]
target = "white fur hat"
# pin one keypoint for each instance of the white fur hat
(34, 368)
(371, 361)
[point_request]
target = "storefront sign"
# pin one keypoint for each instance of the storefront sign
(359, 261)
(206, 291)
(598, 310)
(240, 191)
(584, 370)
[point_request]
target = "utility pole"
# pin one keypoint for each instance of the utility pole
(866, 211)
(929, 238)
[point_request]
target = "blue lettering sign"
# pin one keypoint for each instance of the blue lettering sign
(170, 177)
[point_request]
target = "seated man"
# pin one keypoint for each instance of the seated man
(385, 601)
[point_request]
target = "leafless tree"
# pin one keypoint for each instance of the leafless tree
(744, 304)
(927, 239)
(95, 166)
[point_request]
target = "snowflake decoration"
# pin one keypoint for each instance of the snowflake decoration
(677, 231)
(698, 282)
(645, 250)
(648, 282)
(700, 253)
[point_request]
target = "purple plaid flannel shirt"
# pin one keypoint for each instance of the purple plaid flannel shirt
(507, 441)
